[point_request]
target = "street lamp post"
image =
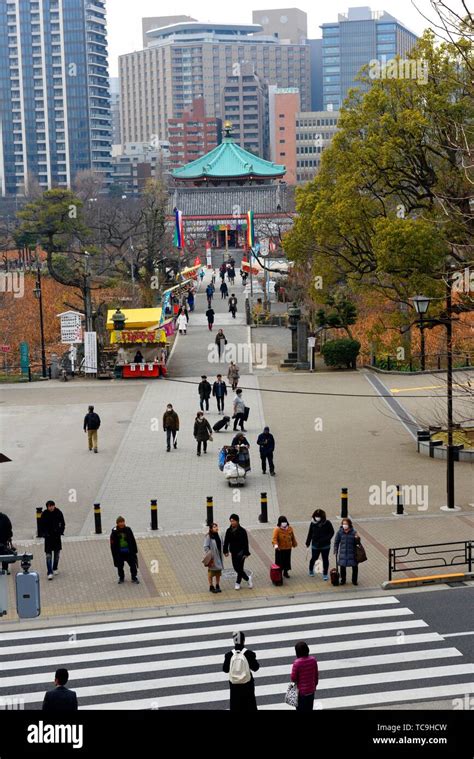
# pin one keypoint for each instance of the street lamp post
(421, 304)
(39, 295)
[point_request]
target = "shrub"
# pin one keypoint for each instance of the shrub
(341, 353)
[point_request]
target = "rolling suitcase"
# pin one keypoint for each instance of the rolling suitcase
(224, 422)
(276, 574)
(246, 413)
(334, 575)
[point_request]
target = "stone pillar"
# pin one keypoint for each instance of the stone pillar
(302, 346)
(54, 366)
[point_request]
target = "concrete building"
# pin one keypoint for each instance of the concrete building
(157, 22)
(288, 24)
(245, 106)
(316, 55)
(355, 39)
(55, 115)
(314, 132)
(193, 134)
(138, 163)
(115, 114)
(284, 105)
(188, 60)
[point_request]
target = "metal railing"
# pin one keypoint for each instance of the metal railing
(433, 361)
(455, 554)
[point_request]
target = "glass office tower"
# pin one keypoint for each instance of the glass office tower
(55, 117)
(357, 38)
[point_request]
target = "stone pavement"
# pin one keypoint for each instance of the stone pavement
(180, 480)
(172, 574)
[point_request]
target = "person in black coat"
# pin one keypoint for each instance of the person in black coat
(6, 535)
(210, 317)
(219, 391)
(91, 426)
(242, 696)
(60, 698)
(224, 290)
(51, 527)
(204, 390)
(202, 432)
(320, 534)
(124, 549)
(236, 542)
(266, 443)
(345, 550)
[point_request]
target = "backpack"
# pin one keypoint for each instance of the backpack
(239, 671)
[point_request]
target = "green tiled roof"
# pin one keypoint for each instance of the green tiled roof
(228, 160)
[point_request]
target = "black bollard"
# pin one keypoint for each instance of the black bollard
(98, 519)
(399, 501)
(154, 514)
(209, 510)
(344, 503)
(263, 508)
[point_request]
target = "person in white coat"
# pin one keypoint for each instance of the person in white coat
(182, 323)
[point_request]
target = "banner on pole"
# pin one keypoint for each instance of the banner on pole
(90, 352)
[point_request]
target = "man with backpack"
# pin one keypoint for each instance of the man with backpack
(91, 426)
(239, 665)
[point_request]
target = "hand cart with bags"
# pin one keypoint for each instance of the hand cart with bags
(234, 462)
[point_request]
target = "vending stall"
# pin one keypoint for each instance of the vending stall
(141, 338)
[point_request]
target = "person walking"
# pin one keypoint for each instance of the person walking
(304, 673)
(190, 300)
(266, 443)
(233, 375)
(91, 426)
(170, 426)
(51, 527)
(219, 392)
(204, 390)
(209, 295)
(201, 274)
(233, 305)
(213, 276)
(239, 410)
(213, 543)
(124, 549)
(231, 275)
(345, 550)
(6, 536)
(236, 542)
(182, 323)
(239, 665)
(320, 534)
(60, 698)
(210, 318)
(222, 271)
(224, 290)
(283, 541)
(221, 342)
(202, 432)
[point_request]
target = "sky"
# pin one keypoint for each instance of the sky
(125, 26)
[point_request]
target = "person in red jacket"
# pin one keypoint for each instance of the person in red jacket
(305, 674)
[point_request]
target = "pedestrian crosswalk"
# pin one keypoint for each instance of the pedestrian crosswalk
(370, 651)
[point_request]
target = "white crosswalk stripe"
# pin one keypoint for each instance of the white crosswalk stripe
(369, 651)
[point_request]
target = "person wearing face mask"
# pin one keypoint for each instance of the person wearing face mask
(319, 538)
(345, 550)
(170, 426)
(214, 561)
(283, 541)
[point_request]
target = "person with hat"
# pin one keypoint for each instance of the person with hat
(124, 549)
(204, 390)
(266, 443)
(239, 665)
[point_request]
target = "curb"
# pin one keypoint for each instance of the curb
(433, 580)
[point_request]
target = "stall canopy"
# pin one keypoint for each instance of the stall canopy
(142, 325)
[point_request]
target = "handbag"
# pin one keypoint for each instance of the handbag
(360, 553)
(291, 697)
(207, 560)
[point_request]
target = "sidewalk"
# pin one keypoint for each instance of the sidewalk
(172, 574)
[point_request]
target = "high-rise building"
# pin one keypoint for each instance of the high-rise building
(358, 37)
(316, 54)
(193, 134)
(288, 24)
(115, 111)
(157, 22)
(314, 132)
(188, 60)
(54, 92)
(245, 105)
(284, 104)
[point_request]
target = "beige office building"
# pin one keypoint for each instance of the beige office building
(189, 60)
(314, 132)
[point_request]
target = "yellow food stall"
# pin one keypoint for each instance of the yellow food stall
(142, 340)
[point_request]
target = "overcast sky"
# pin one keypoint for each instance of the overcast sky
(125, 26)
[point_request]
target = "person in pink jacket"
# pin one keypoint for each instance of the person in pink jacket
(305, 674)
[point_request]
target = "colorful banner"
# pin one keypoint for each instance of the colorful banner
(130, 336)
(250, 230)
(179, 229)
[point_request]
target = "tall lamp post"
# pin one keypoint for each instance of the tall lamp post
(39, 295)
(421, 306)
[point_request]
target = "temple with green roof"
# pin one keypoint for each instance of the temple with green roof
(215, 192)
